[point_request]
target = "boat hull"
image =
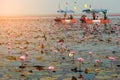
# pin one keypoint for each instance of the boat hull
(101, 21)
(63, 21)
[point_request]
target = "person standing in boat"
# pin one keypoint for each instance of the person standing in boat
(94, 16)
(105, 15)
(65, 15)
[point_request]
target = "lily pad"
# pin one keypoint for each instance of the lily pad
(103, 77)
(48, 78)
(39, 67)
(67, 79)
(12, 58)
(39, 58)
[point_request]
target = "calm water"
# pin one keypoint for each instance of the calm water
(21, 35)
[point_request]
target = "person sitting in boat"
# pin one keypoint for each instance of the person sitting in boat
(71, 17)
(83, 18)
(97, 18)
(68, 17)
(65, 15)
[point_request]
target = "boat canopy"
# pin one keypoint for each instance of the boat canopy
(95, 10)
(65, 11)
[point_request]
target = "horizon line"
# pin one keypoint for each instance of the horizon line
(54, 15)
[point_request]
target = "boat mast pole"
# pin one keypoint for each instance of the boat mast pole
(59, 7)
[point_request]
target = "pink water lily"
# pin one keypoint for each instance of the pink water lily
(9, 48)
(98, 61)
(80, 59)
(55, 51)
(22, 58)
(21, 47)
(80, 62)
(112, 58)
(62, 46)
(90, 53)
(51, 68)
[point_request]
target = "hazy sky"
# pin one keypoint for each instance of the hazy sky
(37, 7)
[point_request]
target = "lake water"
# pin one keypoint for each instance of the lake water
(19, 35)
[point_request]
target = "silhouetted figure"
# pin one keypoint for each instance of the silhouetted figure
(94, 16)
(71, 17)
(105, 15)
(65, 15)
(83, 18)
(97, 18)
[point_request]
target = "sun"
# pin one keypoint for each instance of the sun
(9, 7)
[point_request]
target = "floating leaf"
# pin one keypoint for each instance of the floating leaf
(12, 58)
(97, 70)
(39, 67)
(2, 55)
(87, 70)
(103, 78)
(48, 78)
(54, 64)
(62, 50)
(39, 58)
(26, 73)
(7, 76)
(67, 79)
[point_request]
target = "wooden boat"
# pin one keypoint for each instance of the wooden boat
(63, 20)
(104, 20)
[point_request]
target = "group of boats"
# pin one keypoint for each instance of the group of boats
(83, 18)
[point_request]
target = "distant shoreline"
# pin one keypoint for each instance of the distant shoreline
(46, 16)
(53, 15)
